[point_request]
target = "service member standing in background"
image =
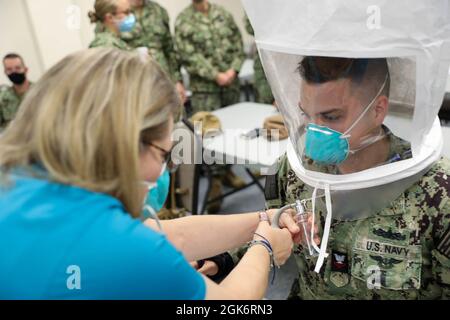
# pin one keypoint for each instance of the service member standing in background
(211, 50)
(112, 18)
(11, 96)
(152, 31)
(263, 93)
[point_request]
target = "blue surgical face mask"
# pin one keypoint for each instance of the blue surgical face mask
(157, 193)
(329, 147)
(127, 24)
(157, 196)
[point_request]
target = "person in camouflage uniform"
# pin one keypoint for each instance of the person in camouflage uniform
(211, 49)
(105, 16)
(153, 32)
(401, 251)
(11, 96)
(263, 93)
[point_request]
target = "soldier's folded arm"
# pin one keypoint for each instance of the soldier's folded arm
(198, 65)
(174, 63)
(239, 47)
(236, 65)
(194, 62)
(169, 48)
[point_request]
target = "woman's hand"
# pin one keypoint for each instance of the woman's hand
(279, 239)
(287, 220)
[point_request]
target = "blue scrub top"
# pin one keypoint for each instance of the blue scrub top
(64, 242)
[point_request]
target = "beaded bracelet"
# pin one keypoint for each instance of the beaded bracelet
(264, 238)
(266, 245)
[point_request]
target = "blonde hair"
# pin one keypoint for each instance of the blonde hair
(101, 9)
(85, 119)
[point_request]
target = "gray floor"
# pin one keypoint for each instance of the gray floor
(250, 200)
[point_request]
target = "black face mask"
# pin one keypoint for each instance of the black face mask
(17, 78)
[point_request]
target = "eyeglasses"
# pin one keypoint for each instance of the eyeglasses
(166, 154)
(171, 166)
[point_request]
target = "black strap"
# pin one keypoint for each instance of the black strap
(225, 265)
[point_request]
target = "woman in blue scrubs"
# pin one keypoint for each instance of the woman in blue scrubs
(75, 166)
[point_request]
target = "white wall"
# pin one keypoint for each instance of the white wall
(54, 35)
(44, 31)
(17, 35)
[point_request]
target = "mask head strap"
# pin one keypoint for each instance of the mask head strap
(345, 135)
(326, 232)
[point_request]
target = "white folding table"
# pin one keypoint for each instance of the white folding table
(231, 148)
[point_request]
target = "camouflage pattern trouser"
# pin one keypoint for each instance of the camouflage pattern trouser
(210, 101)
